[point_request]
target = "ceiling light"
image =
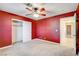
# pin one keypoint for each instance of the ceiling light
(36, 15)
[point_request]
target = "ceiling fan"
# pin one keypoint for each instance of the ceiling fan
(36, 9)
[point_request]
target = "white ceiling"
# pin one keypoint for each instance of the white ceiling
(53, 8)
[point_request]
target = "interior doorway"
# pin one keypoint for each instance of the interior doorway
(68, 31)
(21, 31)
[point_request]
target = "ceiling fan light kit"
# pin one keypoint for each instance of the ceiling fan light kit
(36, 15)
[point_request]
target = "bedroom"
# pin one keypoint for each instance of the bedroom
(37, 28)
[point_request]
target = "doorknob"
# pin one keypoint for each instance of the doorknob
(74, 35)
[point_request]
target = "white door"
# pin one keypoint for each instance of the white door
(27, 31)
(68, 31)
(19, 32)
(16, 31)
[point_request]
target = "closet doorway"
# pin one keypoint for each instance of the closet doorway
(21, 31)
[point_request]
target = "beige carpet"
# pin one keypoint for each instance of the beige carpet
(37, 48)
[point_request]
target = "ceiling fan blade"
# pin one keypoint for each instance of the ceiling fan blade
(42, 9)
(42, 14)
(29, 9)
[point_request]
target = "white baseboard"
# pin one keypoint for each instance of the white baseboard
(6, 47)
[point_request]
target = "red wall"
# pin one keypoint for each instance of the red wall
(46, 28)
(34, 30)
(5, 27)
